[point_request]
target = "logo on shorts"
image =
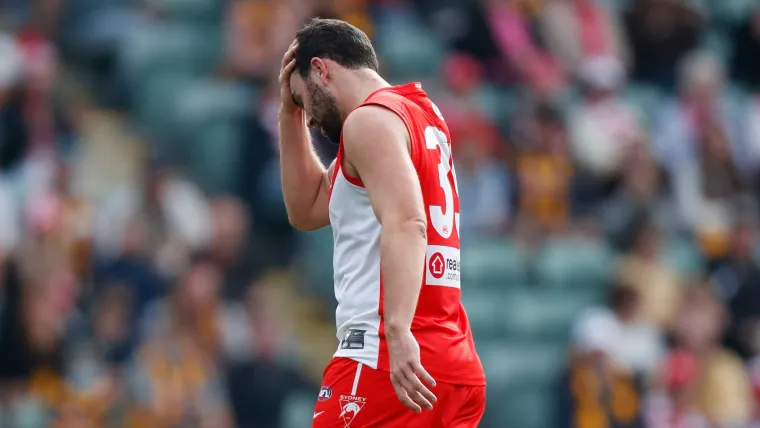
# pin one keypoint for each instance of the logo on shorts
(437, 265)
(325, 393)
(350, 405)
(353, 339)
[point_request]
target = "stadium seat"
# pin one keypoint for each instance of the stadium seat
(575, 262)
(405, 44)
(529, 407)
(191, 10)
(154, 104)
(297, 410)
(521, 376)
(683, 256)
(644, 99)
(316, 262)
(170, 47)
(495, 264)
(511, 365)
(484, 308)
(718, 43)
(496, 102)
(214, 156)
(531, 313)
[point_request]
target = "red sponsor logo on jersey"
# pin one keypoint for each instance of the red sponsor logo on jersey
(350, 405)
(437, 265)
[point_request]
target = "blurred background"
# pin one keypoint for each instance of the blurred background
(607, 152)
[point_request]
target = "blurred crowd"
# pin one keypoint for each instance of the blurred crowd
(149, 276)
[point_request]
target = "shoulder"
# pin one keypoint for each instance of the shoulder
(372, 118)
(370, 123)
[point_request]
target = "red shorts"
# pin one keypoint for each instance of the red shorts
(355, 396)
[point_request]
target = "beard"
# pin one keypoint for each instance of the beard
(325, 112)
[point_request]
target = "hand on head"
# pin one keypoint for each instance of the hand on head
(287, 105)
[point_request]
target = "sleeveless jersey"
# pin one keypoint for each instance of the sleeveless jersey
(440, 323)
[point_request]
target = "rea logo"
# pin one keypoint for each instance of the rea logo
(443, 266)
(436, 265)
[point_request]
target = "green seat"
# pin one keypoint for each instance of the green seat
(524, 408)
(215, 152)
(173, 47)
(316, 261)
(644, 99)
(494, 264)
(196, 10)
(155, 101)
(521, 379)
(298, 410)
(405, 44)
(210, 99)
(512, 365)
(683, 256)
(484, 311)
(575, 262)
(544, 313)
(495, 102)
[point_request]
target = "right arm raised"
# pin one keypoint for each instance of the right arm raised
(305, 182)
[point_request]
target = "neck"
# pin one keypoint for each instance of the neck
(356, 86)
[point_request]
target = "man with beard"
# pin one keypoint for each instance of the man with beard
(391, 199)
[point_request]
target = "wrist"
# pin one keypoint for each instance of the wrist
(289, 113)
(395, 329)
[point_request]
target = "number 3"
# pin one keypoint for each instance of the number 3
(443, 217)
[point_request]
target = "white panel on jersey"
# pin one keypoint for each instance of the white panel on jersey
(442, 266)
(356, 263)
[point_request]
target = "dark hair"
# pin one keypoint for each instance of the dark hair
(336, 40)
(621, 297)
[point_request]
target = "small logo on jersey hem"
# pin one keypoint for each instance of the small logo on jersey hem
(324, 393)
(353, 339)
(350, 405)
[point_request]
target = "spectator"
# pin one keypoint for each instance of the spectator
(510, 26)
(697, 143)
(599, 388)
(673, 402)
(746, 43)
(723, 391)
(661, 33)
(639, 194)
(12, 119)
(544, 171)
(736, 281)
(643, 270)
(176, 212)
(603, 128)
(578, 30)
(195, 306)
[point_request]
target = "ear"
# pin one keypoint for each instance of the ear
(319, 70)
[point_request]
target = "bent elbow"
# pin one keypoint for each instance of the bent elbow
(304, 223)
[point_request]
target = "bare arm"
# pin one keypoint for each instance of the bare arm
(376, 144)
(305, 181)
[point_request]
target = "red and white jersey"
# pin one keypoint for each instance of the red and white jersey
(440, 324)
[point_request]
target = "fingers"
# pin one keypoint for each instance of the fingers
(287, 70)
(411, 391)
(403, 396)
(424, 375)
(289, 54)
(419, 393)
